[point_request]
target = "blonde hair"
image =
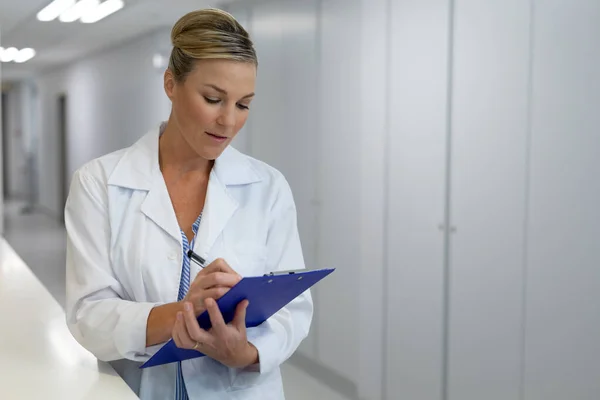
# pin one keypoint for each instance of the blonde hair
(208, 34)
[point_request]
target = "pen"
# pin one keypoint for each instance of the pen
(197, 259)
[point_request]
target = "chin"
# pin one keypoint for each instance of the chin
(212, 153)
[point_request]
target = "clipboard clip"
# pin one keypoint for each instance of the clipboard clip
(280, 273)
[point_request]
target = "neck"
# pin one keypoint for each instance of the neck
(175, 154)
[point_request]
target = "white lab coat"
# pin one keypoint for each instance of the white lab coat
(124, 256)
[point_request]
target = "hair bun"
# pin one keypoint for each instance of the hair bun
(208, 34)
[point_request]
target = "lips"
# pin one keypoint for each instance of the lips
(216, 136)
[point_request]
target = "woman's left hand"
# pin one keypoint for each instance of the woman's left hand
(226, 343)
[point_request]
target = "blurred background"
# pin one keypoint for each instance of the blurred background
(444, 156)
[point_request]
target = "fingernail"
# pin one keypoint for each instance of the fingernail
(187, 306)
(179, 315)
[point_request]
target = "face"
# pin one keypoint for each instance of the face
(212, 104)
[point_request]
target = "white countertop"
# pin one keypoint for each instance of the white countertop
(39, 359)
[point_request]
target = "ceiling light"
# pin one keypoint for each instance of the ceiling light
(54, 9)
(24, 55)
(102, 11)
(81, 8)
(12, 54)
(8, 55)
(158, 61)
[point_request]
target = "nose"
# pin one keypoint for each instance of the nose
(227, 117)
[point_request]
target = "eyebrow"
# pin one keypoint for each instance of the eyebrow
(222, 91)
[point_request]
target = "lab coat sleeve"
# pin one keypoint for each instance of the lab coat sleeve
(279, 337)
(99, 314)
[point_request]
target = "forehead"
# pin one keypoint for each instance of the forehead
(235, 77)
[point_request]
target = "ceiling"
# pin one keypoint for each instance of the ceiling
(58, 43)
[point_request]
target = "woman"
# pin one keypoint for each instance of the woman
(132, 216)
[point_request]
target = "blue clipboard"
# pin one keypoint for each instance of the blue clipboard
(267, 294)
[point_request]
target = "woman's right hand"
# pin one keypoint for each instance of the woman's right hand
(212, 282)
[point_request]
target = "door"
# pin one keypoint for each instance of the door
(563, 312)
(416, 198)
(488, 185)
(4, 115)
(63, 181)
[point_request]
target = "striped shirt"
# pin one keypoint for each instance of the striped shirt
(184, 286)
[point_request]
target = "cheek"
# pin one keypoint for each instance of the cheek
(241, 120)
(197, 111)
(203, 113)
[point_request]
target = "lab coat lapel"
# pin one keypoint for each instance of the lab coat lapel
(219, 207)
(158, 207)
(138, 169)
(231, 169)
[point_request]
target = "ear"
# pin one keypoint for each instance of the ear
(169, 83)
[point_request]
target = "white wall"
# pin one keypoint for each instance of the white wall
(563, 275)
(373, 211)
(1, 157)
(338, 145)
(113, 98)
(489, 142)
(418, 107)
(524, 281)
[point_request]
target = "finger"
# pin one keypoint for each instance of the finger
(181, 337)
(176, 339)
(197, 299)
(215, 293)
(239, 321)
(184, 336)
(214, 280)
(194, 331)
(216, 318)
(218, 279)
(218, 265)
(175, 334)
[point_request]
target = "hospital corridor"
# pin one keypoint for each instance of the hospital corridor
(300, 199)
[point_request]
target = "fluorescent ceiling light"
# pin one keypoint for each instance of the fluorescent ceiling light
(81, 8)
(102, 11)
(8, 55)
(54, 9)
(14, 55)
(24, 55)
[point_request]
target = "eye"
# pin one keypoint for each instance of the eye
(211, 101)
(243, 107)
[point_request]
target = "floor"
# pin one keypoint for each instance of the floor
(40, 241)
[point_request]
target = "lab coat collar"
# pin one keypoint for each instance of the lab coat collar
(138, 169)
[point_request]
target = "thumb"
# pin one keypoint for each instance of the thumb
(239, 321)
